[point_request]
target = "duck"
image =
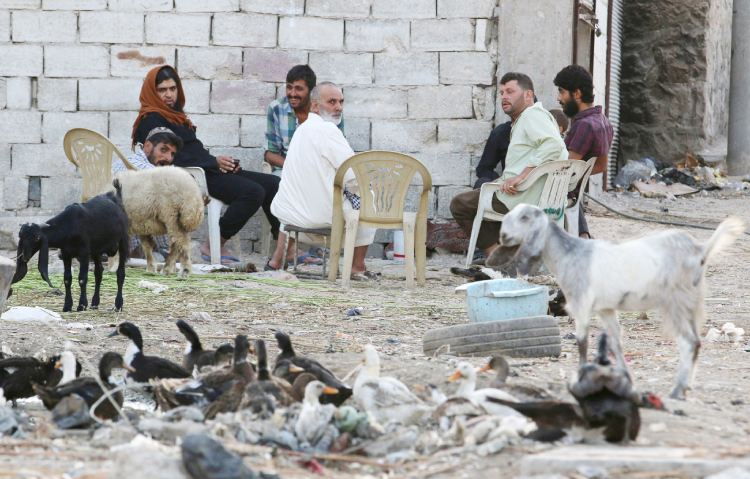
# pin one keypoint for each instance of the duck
(386, 398)
(436, 397)
(298, 388)
(195, 355)
(17, 375)
(314, 418)
(311, 366)
(145, 367)
(88, 389)
(265, 384)
(232, 384)
(467, 375)
(522, 392)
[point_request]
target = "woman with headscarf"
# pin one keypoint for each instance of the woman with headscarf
(162, 100)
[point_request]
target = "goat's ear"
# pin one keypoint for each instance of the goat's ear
(532, 246)
(21, 267)
(502, 254)
(44, 260)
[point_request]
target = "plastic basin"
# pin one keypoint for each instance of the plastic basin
(499, 299)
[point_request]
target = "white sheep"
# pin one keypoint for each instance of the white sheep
(164, 200)
(662, 271)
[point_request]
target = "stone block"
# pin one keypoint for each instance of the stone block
(466, 8)
(338, 8)
(403, 136)
(446, 169)
(374, 102)
(184, 29)
(4, 159)
(197, 96)
(442, 35)
(445, 196)
(480, 35)
(15, 193)
(377, 36)
(358, 134)
(471, 68)
(109, 94)
(18, 93)
(413, 195)
(484, 102)
(406, 68)
(210, 63)
(253, 131)
(454, 101)
(4, 26)
(241, 97)
(56, 125)
(463, 136)
(245, 30)
(280, 7)
(403, 9)
(39, 26)
(111, 27)
(310, 33)
(182, 6)
(57, 95)
(20, 126)
(137, 61)
(76, 61)
(74, 5)
(2, 93)
(251, 159)
(140, 5)
(22, 4)
(217, 130)
(41, 160)
(343, 68)
(121, 128)
(269, 65)
(21, 60)
(57, 193)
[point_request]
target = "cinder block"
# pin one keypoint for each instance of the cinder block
(74, 5)
(374, 102)
(445, 196)
(442, 35)
(454, 101)
(241, 97)
(4, 159)
(20, 126)
(253, 131)
(121, 128)
(358, 134)
(178, 29)
(15, 193)
(111, 27)
(404, 136)
(210, 63)
(57, 193)
(140, 5)
(343, 68)
(217, 130)
(2, 93)
(471, 68)
(403, 8)
(39, 26)
(414, 194)
(447, 169)
(76, 61)
(463, 136)
(269, 65)
(26, 161)
(251, 159)
(4, 26)
(377, 36)
(22, 4)
(182, 6)
(309, 33)
(56, 125)
(137, 61)
(280, 7)
(197, 96)
(109, 94)
(245, 30)
(18, 93)
(338, 8)
(465, 8)
(406, 68)
(21, 60)
(484, 102)
(56, 95)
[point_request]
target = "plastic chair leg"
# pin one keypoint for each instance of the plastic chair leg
(349, 240)
(265, 238)
(237, 246)
(214, 234)
(283, 255)
(409, 253)
(571, 220)
(474, 235)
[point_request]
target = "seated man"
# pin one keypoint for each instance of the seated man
(534, 140)
(162, 100)
(305, 196)
(158, 150)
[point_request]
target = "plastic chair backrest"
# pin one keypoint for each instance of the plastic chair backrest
(200, 177)
(383, 178)
(92, 153)
(581, 181)
(560, 174)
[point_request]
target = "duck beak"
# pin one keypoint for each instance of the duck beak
(58, 365)
(295, 369)
(114, 333)
(250, 350)
(330, 390)
(456, 376)
(129, 368)
(485, 369)
(418, 388)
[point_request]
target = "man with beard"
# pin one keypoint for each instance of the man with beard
(162, 100)
(305, 195)
(534, 140)
(591, 134)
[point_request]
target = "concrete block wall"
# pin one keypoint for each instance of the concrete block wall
(418, 77)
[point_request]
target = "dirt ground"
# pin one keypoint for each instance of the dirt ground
(394, 320)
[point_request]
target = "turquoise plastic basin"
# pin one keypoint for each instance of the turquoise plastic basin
(498, 299)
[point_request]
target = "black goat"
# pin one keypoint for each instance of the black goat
(82, 231)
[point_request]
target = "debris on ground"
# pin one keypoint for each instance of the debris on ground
(26, 314)
(153, 287)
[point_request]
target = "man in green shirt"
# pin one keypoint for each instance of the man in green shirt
(534, 140)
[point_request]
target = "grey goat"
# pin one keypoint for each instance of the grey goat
(662, 271)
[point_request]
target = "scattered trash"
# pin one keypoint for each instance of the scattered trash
(200, 316)
(731, 333)
(642, 170)
(657, 427)
(277, 275)
(153, 287)
(570, 336)
(85, 326)
(205, 458)
(738, 402)
(354, 312)
(26, 314)
(712, 335)
(395, 341)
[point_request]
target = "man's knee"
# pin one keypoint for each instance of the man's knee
(461, 205)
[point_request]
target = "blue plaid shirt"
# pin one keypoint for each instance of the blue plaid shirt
(137, 159)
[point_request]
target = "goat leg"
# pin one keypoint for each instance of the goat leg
(67, 280)
(124, 245)
(98, 270)
(690, 345)
(582, 318)
(611, 324)
(83, 277)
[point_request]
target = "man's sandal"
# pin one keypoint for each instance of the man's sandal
(367, 275)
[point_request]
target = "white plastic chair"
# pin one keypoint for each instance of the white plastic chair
(560, 175)
(574, 207)
(265, 234)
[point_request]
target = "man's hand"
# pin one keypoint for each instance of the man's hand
(227, 165)
(509, 186)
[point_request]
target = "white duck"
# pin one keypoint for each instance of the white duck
(387, 399)
(314, 417)
(468, 377)
(68, 364)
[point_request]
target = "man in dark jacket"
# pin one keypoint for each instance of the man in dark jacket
(493, 155)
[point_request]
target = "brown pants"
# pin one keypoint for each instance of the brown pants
(464, 209)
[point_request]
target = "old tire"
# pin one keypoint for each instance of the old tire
(535, 336)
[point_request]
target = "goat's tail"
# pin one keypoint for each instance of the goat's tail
(118, 188)
(728, 231)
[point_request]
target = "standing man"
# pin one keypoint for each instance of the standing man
(591, 134)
